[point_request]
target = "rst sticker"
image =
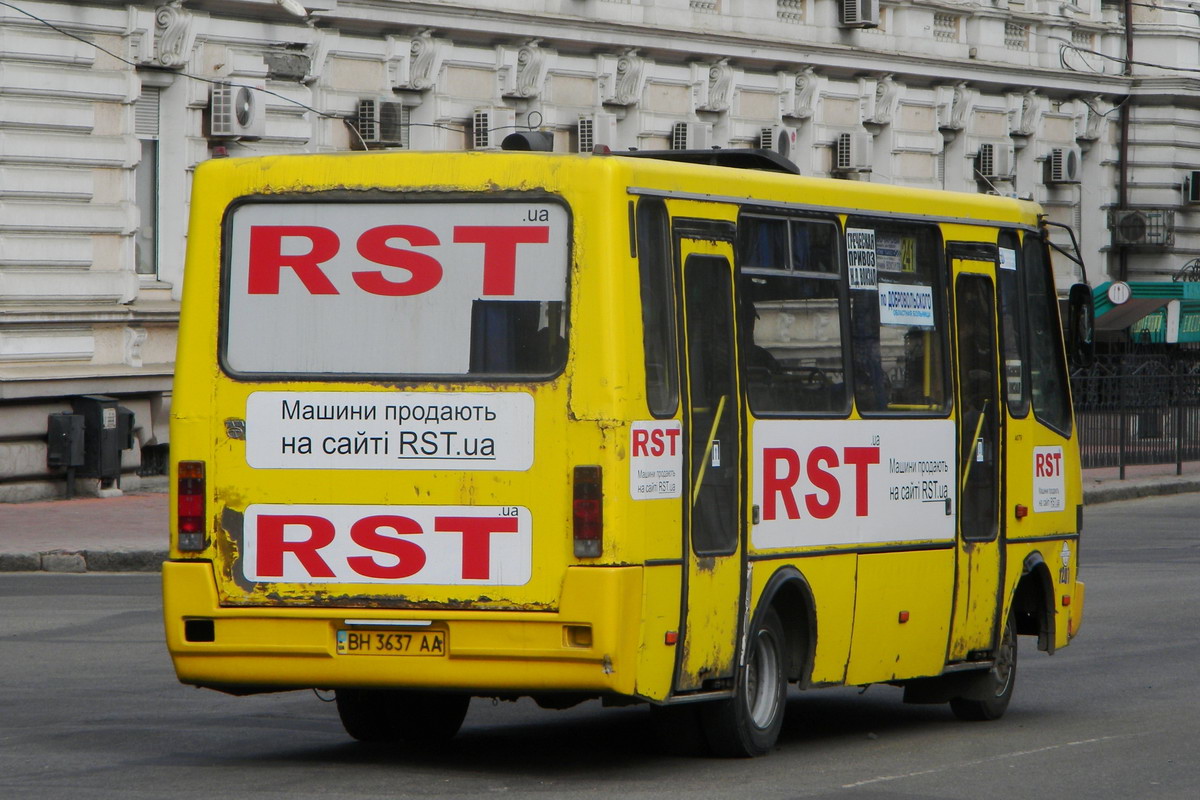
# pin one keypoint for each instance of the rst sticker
(853, 482)
(655, 460)
(1049, 485)
(430, 545)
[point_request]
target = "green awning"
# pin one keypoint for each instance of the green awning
(1153, 311)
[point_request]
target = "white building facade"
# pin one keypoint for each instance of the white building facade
(1091, 108)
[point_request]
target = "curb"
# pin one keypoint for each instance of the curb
(1131, 491)
(66, 561)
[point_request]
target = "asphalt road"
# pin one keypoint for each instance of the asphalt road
(90, 709)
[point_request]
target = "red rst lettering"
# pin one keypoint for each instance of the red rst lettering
(476, 540)
(365, 533)
(773, 483)
(825, 481)
(500, 251)
(673, 436)
(861, 458)
(640, 437)
(424, 270)
(272, 545)
(267, 259)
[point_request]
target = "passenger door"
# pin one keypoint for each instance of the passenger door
(712, 511)
(980, 550)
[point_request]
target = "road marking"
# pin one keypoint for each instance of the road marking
(977, 762)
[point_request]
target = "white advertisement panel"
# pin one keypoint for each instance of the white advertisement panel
(390, 430)
(853, 482)
(656, 459)
(429, 545)
(384, 288)
(1049, 484)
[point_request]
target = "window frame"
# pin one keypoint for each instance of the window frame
(942, 313)
(1048, 296)
(744, 272)
(665, 327)
(1010, 289)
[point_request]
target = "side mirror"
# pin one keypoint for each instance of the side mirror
(1081, 326)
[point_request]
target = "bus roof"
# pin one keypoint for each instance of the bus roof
(663, 174)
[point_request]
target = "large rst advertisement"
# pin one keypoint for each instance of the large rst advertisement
(853, 482)
(404, 288)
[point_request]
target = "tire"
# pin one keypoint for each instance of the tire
(386, 715)
(995, 688)
(748, 723)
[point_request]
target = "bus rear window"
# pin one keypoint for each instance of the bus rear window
(351, 289)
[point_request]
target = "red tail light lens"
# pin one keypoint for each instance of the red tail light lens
(190, 506)
(588, 506)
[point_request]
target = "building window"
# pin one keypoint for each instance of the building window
(146, 182)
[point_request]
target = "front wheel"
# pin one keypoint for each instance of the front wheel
(995, 688)
(387, 715)
(748, 723)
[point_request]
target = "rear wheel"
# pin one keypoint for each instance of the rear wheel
(996, 689)
(387, 715)
(748, 723)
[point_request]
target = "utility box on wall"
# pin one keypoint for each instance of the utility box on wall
(107, 429)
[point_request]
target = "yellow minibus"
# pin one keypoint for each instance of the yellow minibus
(675, 428)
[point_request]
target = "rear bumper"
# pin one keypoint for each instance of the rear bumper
(271, 648)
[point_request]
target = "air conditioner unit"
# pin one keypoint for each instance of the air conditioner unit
(236, 111)
(852, 152)
(489, 126)
(691, 136)
(1142, 226)
(1191, 186)
(1062, 165)
(778, 139)
(994, 162)
(859, 14)
(597, 130)
(382, 122)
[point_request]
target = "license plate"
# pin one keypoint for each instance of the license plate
(391, 643)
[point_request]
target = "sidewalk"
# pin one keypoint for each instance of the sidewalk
(129, 533)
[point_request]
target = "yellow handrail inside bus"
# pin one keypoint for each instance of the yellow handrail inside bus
(708, 450)
(974, 444)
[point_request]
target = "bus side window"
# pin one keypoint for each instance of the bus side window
(1013, 333)
(1048, 372)
(658, 309)
(897, 317)
(791, 297)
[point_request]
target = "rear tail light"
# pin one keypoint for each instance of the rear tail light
(190, 504)
(588, 507)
